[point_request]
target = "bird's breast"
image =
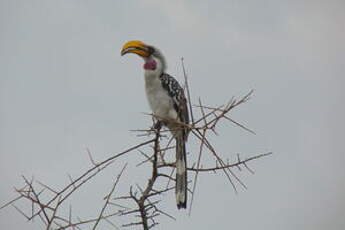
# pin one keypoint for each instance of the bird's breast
(158, 98)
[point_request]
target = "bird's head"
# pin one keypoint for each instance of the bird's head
(153, 58)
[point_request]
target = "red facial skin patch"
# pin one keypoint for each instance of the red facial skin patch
(150, 65)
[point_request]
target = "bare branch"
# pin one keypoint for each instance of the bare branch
(108, 197)
(142, 202)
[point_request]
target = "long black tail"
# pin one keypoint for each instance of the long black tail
(181, 173)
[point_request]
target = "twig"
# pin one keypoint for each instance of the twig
(108, 197)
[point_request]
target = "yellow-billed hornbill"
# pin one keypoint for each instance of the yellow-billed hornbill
(168, 102)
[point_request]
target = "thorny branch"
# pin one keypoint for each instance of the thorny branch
(141, 203)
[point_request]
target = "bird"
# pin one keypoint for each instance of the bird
(168, 103)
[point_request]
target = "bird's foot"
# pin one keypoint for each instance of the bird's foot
(158, 125)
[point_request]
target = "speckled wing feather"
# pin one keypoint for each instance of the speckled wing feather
(176, 92)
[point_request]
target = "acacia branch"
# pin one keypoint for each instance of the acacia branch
(108, 198)
(141, 202)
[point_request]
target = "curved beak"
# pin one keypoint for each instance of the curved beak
(136, 47)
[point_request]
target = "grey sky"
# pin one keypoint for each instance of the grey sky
(64, 87)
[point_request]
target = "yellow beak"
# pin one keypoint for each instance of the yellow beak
(136, 47)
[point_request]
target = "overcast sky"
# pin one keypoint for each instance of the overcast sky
(64, 87)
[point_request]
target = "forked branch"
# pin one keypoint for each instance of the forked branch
(141, 203)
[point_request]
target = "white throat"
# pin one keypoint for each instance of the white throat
(159, 100)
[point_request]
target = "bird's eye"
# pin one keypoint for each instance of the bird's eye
(151, 49)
